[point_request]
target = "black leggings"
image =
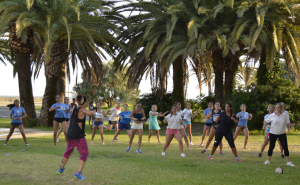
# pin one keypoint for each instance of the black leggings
(228, 136)
(283, 140)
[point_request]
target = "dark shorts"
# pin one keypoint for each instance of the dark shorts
(67, 119)
(59, 120)
(123, 126)
(16, 124)
(243, 127)
(113, 122)
(98, 123)
(208, 124)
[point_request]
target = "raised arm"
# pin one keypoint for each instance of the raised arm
(88, 112)
(161, 115)
(154, 114)
(53, 108)
(208, 116)
(250, 117)
(195, 114)
(68, 110)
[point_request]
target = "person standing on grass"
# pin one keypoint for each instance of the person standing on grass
(138, 116)
(91, 108)
(208, 121)
(227, 121)
(153, 124)
(76, 137)
(98, 123)
(271, 110)
(124, 123)
(174, 121)
(242, 125)
(187, 119)
(279, 120)
(17, 113)
(216, 111)
(68, 115)
(114, 118)
(181, 130)
(60, 117)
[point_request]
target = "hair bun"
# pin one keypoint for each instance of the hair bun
(80, 99)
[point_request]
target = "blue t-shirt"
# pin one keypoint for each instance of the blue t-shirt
(125, 117)
(17, 113)
(206, 112)
(243, 119)
(60, 112)
(68, 114)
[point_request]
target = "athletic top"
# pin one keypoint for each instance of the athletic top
(180, 113)
(60, 112)
(226, 123)
(17, 113)
(243, 119)
(187, 114)
(215, 116)
(99, 115)
(269, 124)
(68, 114)
(114, 114)
(206, 112)
(138, 116)
(74, 131)
(278, 123)
(91, 107)
(153, 119)
(174, 121)
(125, 117)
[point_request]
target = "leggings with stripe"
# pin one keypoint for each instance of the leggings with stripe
(283, 140)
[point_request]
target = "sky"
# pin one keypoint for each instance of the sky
(9, 85)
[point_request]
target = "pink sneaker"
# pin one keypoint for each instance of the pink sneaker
(204, 150)
(210, 157)
(238, 159)
(221, 153)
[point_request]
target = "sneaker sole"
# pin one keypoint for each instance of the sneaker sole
(59, 173)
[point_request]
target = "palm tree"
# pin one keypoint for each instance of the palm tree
(246, 73)
(11, 12)
(5, 53)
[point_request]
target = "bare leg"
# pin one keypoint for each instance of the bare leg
(179, 139)
(150, 134)
(221, 146)
(237, 132)
(140, 132)
(168, 141)
(131, 136)
(59, 132)
(263, 146)
(116, 135)
(109, 126)
(116, 128)
(213, 150)
(101, 133)
(205, 130)
(64, 162)
(11, 131)
(90, 120)
(21, 128)
(189, 128)
(184, 126)
(183, 134)
(128, 132)
(80, 165)
(211, 136)
(55, 127)
(234, 152)
(157, 134)
(246, 133)
(94, 132)
(64, 128)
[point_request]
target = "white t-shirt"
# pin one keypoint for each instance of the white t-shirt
(174, 121)
(278, 123)
(187, 114)
(114, 114)
(181, 114)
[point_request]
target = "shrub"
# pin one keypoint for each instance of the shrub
(29, 122)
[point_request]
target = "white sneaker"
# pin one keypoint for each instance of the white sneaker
(182, 155)
(191, 144)
(267, 162)
(26, 144)
(57, 140)
(4, 144)
(290, 164)
(163, 153)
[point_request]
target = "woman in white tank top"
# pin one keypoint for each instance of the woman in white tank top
(98, 123)
(91, 108)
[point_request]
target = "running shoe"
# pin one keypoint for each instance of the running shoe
(60, 170)
(201, 144)
(259, 155)
(128, 148)
(163, 153)
(26, 144)
(238, 159)
(204, 150)
(182, 155)
(267, 162)
(78, 175)
(191, 143)
(57, 140)
(290, 164)
(210, 157)
(138, 151)
(221, 153)
(4, 144)
(116, 139)
(282, 156)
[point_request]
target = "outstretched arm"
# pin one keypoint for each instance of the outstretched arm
(196, 114)
(161, 115)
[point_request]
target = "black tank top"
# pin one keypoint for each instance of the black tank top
(74, 131)
(215, 114)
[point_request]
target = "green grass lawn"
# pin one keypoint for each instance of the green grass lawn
(113, 165)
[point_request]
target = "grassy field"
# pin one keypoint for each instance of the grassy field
(108, 164)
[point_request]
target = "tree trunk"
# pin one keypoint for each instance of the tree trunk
(262, 69)
(232, 62)
(218, 65)
(52, 72)
(178, 86)
(209, 87)
(23, 68)
(61, 82)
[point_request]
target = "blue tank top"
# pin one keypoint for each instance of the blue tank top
(215, 115)
(138, 116)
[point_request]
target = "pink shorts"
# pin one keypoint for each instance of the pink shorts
(172, 131)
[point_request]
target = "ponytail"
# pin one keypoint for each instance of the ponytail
(10, 106)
